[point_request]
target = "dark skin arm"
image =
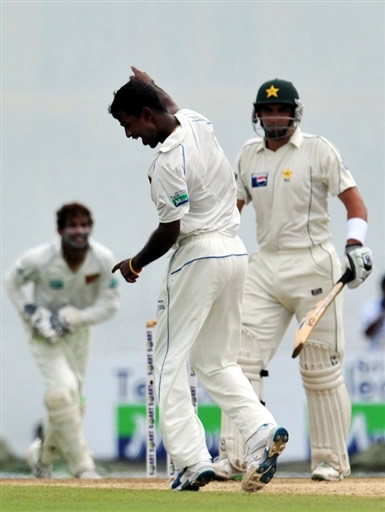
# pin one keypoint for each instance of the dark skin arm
(161, 240)
(240, 204)
(164, 237)
(165, 99)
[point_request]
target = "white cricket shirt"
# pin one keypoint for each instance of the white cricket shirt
(92, 288)
(289, 189)
(193, 181)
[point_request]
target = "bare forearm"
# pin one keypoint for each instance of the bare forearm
(354, 204)
(161, 240)
(166, 100)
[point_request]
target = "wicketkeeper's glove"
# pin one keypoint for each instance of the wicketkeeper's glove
(360, 261)
(69, 318)
(40, 319)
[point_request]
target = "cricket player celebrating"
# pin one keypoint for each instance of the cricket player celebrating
(199, 314)
(287, 175)
(72, 289)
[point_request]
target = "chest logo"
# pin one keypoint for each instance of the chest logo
(91, 278)
(56, 284)
(259, 179)
(287, 174)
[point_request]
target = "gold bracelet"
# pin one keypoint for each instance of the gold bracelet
(135, 272)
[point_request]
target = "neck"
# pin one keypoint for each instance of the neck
(170, 125)
(74, 257)
(274, 145)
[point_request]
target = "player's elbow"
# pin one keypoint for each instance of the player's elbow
(170, 231)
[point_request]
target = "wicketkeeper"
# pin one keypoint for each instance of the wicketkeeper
(72, 289)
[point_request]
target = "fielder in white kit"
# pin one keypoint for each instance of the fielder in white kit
(287, 176)
(194, 190)
(72, 289)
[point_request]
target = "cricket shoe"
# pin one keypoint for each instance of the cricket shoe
(91, 474)
(193, 477)
(224, 470)
(263, 450)
(33, 457)
(325, 471)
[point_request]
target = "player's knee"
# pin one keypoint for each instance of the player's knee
(59, 398)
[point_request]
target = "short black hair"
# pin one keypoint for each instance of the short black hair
(71, 210)
(133, 96)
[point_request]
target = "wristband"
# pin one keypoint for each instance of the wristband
(356, 229)
(135, 272)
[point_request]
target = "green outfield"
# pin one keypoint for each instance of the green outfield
(47, 498)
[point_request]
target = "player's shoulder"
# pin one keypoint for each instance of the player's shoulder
(253, 141)
(101, 252)
(192, 115)
(40, 255)
(317, 140)
(250, 147)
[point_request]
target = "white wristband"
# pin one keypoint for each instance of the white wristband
(356, 229)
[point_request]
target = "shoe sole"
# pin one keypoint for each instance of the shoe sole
(258, 477)
(201, 480)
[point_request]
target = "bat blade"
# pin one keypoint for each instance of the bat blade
(312, 318)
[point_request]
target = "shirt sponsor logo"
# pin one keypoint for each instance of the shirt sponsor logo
(259, 179)
(56, 284)
(180, 198)
(91, 278)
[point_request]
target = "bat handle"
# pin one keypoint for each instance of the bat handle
(346, 277)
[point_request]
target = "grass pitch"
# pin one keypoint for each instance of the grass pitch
(68, 498)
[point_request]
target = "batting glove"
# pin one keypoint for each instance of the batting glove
(360, 261)
(70, 318)
(39, 319)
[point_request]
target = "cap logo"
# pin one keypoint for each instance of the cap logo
(272, 91)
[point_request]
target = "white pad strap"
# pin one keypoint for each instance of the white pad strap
(328, 406)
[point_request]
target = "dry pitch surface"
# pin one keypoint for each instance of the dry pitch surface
(350, 486)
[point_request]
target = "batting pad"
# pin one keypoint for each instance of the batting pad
(65, 418)
(232, 444)
(329, 406)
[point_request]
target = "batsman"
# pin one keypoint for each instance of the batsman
(288, 175)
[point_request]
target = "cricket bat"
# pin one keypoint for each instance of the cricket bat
(312, 318)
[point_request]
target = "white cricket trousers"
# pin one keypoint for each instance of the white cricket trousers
(63, 364)
(199, 319)
(286, 283)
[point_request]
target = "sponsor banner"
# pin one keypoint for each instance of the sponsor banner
(365, 381)
(132, 430)
(367, 426)
(365, 377)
